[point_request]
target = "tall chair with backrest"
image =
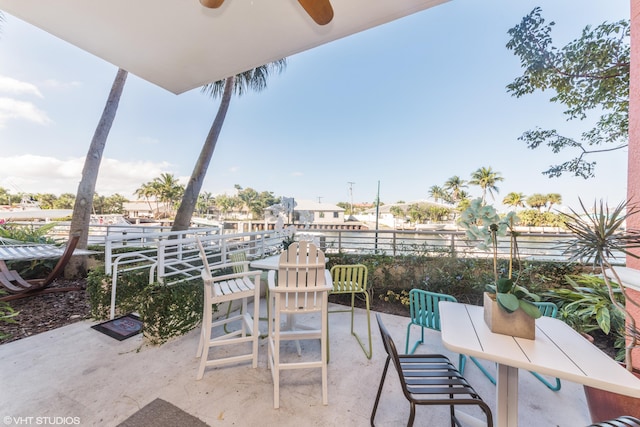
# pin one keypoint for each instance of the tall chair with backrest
(352, 279)
(240, 265)
(219, 289)
(302, 287)
(428, 379)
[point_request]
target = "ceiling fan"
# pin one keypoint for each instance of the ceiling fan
(319, 10)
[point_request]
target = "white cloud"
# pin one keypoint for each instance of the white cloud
(16, 87)
(55, 84)
(39, 174)
(13, 109)
(297, 173)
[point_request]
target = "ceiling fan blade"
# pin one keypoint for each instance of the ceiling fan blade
(319, 10)
(212, 4)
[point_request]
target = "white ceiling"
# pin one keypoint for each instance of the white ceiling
(180, 45)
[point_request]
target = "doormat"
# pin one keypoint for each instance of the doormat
(121, 328)
(161, 413)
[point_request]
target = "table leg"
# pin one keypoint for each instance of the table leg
(507, 396)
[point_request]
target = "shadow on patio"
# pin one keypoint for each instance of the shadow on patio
(76, 371)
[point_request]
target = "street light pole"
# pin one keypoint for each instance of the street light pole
(351, 195)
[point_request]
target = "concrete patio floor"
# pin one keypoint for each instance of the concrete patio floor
(76, 371)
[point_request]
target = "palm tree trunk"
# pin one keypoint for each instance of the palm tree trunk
(190, 197)
(81, 218)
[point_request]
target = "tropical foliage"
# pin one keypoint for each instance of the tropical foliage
(599, 239)
(588, 75)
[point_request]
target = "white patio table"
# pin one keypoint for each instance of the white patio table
(557, 351)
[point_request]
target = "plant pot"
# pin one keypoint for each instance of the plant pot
(605, 405)
(516, 324)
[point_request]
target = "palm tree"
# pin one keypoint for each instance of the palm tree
(514, 199)
(225, 204)
(145, 191)
(437, 193)
(553, 199)
(255, 79)
(537, 201)
(82, 208)
(168, 190)
(204, 200)
(486, 179)
(454, 186)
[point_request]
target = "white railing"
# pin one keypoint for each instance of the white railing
(173, 257)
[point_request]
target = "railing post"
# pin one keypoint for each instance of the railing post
(393, 245)
(453, 245)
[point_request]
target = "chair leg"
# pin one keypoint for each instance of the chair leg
(420, 341)
(205, 339)
(544, 381)
(362, 345)
(483, 369)
(375, 403)
(323, 347)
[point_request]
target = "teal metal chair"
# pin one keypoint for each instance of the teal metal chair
(547, 309)
(424, 312)
(352, 279)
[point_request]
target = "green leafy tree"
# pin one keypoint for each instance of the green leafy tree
(255, 79)
(226, 204)
(588, 75)
(397, 212)
(46, 200)
(65, 201)
(204, 202)
(114, 204)
(486, 179)
(416, 213)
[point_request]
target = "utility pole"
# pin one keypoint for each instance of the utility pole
(351, 195)
(319, 199)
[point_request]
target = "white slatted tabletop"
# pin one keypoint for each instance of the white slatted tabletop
(557, 351)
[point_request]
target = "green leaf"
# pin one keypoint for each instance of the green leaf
(508, 301)
(603, 318)
(530, 309)
(504, 285)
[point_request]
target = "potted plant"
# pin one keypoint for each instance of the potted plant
(508, 306)
(600, 239)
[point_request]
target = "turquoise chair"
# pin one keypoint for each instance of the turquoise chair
(547, 309)
(425, 313)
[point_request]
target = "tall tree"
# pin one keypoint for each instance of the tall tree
(486, 179)
(553, 199)
(537, 201)
(588, 75)
(168, 190)
(437, 193)
(256, 80)
(82, 208)
(454, 186)
(517, 200)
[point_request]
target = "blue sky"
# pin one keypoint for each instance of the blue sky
(409, 104)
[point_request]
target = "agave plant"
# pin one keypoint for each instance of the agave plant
(600, 237)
